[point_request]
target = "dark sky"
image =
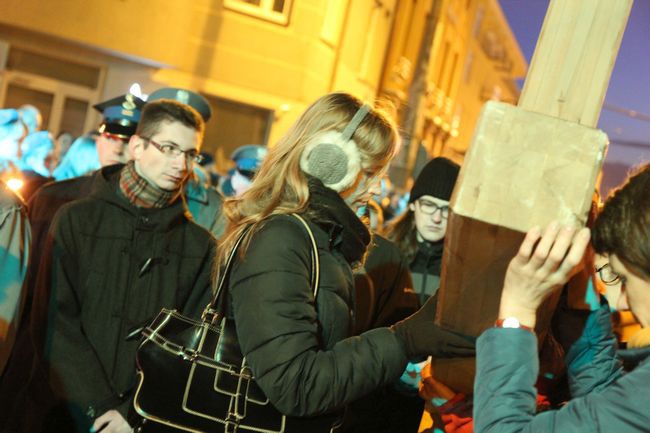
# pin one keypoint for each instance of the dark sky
(629, 87)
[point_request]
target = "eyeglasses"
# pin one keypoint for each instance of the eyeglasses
(607, 275)
(173, 151)
(429, 208)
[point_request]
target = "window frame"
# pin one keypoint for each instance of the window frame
(263, 11)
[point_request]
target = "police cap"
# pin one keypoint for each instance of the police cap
(121, 115)
(248, 158)
(193, 99)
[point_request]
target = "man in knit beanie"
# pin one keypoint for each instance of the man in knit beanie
(419, 234)
(429, 199)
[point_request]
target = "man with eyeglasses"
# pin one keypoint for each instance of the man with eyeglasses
(120, 116)
(120, 120)
(420, 231)
(203, 199)
(419, 234)
(117, 257)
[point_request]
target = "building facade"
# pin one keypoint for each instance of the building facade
(473, 57)
(260, 62)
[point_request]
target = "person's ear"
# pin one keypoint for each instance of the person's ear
(412, 207)
(136, 147)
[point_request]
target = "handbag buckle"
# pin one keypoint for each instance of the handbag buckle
(209, 315)
(189, 354)
(232, 424)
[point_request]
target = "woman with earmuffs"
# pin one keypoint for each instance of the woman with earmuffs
(299, 345)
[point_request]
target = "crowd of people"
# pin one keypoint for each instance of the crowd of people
(127, 222)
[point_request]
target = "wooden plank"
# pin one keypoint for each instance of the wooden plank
(525, 169)
(528, 165)
(475, 294)
(574, 59)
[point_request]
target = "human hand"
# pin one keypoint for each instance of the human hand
(430, 388)
(543, 263)
(111, 422)
(421, 337)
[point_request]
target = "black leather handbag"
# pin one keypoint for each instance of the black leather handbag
(193, 377)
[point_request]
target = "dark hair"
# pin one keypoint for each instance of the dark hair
(157, 112)
(623, 226)
(403, 232)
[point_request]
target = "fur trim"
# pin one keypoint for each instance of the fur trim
(335, 162)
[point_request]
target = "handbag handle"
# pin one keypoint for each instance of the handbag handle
(210, 309)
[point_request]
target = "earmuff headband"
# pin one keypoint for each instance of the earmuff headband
(333, 157)
(358, 117)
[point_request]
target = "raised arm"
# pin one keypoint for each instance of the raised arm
(507, 363)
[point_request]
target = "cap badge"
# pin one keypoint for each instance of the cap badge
(129, 103)
(183, 96)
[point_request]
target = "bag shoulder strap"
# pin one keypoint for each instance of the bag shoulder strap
(210, 309)
(315, 262)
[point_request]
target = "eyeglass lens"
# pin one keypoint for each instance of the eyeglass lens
(429, 208)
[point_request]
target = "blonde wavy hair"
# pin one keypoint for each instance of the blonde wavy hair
(280, 186)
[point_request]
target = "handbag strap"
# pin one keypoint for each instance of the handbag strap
(211, 308)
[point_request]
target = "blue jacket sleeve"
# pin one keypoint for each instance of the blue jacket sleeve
(591, 361)
(507, 369)
(14, 251)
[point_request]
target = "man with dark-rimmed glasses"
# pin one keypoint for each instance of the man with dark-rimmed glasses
(118, 257)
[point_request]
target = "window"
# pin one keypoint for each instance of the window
(57, 69)
(277, 11)
(62, 90)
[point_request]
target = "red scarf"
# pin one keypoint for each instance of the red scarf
(142, 193)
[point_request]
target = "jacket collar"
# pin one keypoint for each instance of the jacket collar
(196, 192)
(105, 187)
(346, 231)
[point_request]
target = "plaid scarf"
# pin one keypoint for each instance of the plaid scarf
(141, 193)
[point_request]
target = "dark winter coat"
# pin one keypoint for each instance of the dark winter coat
(113, 267)
(41, 209)
(24, 378)
(299, 348)
(425, 269)
(384, 296)
(384, 289)
(604, 399)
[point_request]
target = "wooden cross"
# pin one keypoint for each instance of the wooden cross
(528, 165)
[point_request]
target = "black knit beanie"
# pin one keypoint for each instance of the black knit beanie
(436, 179)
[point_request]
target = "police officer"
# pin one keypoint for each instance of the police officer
(121, 116)
(247, 159)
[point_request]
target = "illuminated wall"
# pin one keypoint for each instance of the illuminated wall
(277, 56)
(474, 57)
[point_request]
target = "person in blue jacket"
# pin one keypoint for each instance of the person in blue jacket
(604, 398)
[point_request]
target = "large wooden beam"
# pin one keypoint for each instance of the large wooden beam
(528, 165)
(574, 58)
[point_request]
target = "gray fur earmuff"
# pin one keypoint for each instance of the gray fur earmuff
(333, 157)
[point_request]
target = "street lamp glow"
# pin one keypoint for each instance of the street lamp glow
(15, 184)
(135, 90)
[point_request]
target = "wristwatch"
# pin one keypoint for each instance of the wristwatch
(512, 322)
